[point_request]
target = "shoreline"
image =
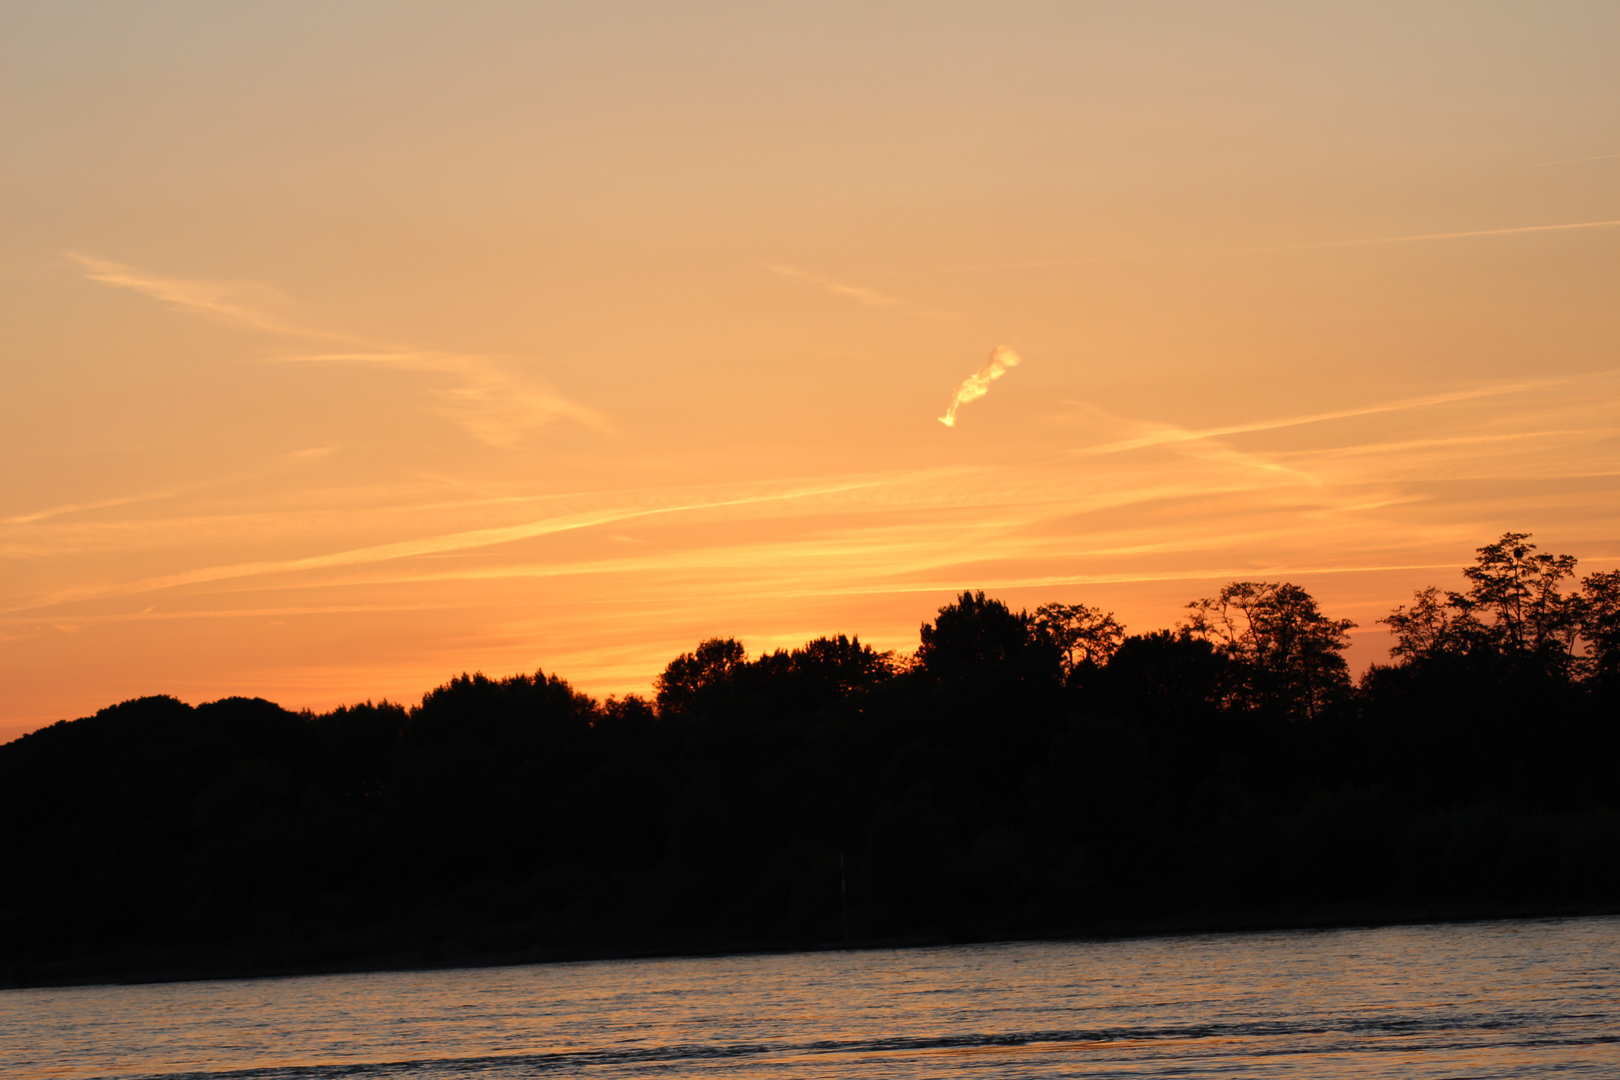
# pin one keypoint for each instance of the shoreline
(1327, 918)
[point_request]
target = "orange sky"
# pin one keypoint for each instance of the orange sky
(350, 346)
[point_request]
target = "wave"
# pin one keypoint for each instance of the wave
(1349, 1034)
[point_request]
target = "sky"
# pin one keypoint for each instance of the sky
(351, 346)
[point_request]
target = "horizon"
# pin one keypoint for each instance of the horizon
(351, 350)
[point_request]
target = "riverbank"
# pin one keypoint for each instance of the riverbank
(1334, 917)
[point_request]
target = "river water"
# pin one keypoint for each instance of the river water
(1503, 999)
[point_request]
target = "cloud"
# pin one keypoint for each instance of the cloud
(869, 297)
(74, 508)
(1571, 161)
(458, 541)
(1160, 434)
(977, 385)
(235, 302)
(1437, 236)
(1320, 245)
(297, 457)
(492, 403)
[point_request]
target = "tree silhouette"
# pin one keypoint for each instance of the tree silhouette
(840, 665)
(1430, 627)
(1513, 610)
(692, 676)
(1285, 651)
(1086, 637)
(1514, 594)
(831, 793)
(983, 641)
(1600, 622)
(1166, 674)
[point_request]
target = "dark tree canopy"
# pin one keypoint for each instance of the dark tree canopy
(1285, 654)
(1516, 612)
(690, 675)
(975, 640)
(1600, 622)
(1021, 775)
(1086, 637)
(1514, 594)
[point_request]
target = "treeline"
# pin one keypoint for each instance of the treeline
(1023, 773)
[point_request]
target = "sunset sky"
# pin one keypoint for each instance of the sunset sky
(349, 346)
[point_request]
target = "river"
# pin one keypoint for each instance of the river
(1513, 999)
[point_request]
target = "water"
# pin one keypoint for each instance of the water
(1508, 999)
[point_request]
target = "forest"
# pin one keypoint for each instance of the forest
(1023, 774)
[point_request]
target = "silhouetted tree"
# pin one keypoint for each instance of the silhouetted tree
(1600, 622)
(1514, 610)
(840, 665)
(1514, 594)
(1166, 674)
(1286, 652)
(965, 795)
(691, 676)
(1430, 627)
(983, 641)
(1086, 637)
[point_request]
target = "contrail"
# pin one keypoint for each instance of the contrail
(459, 541)
(977, 385)
(869, 297)
(1168, 434)
(1321, 245)
(1571, 161)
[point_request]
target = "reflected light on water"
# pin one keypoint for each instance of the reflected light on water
(1508, 999)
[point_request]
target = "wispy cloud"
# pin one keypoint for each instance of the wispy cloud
(1416, 238)
(549, 578)
(869, 297)
(239, 303)
(1315, 245)
(313, 453)
(296, 457)
(151, 614)
(976, 385)
(450, 542)
(94, 504)
(1407, 445)
(494, 404)
(1570, 161)
(1160, 434)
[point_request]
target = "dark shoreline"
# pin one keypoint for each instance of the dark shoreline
(1337, 917)
(994, 787)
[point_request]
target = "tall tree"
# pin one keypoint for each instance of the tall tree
(983, 641)
(1514, 591)
(1085, 636)
(1600, 622)
(691, 675)
(1285, 651)
(1431, 626)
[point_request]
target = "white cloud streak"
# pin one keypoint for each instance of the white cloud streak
(976, 385)
(869, 297)
(1321, 245)
(431, 545)
(490, 402)
(1516, 230)
(1160, 435)
(1364, 497)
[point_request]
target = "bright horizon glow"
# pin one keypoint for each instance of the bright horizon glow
(348, 353)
